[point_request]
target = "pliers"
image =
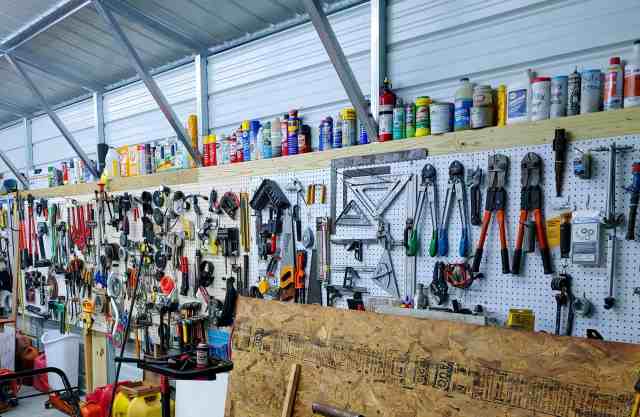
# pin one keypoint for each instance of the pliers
(455, 191)
(531, 201)
(496, 200)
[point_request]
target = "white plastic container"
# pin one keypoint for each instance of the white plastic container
(518, 102)
(632, 78)
(540, 98)
(63, 352)
(463, 103)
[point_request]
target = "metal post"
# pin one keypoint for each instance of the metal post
(28, 145)
(148, 80)
(98, 118)
(340, 64)
(52, 115)
(378, 52)
(12, 168)
(202, 93)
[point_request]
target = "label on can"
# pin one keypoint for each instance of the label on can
(202, 355)
(440, 117)
(398, 123)
(481, 116)
(385, 120)
(517, 104)
(573, 94)
(337, 135)
(462, 119)
(558, 99)
(632, 85)
(422, 120)
(540, 99)
(590, 91)
(482, 96)
(613, 90)
(246, 146)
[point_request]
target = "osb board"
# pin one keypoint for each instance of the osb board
(391, 366)
(582, 127)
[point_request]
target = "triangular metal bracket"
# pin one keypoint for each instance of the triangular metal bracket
(385, 276)
(352, 215)
(377, 210)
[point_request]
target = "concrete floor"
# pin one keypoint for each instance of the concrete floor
(32, 407)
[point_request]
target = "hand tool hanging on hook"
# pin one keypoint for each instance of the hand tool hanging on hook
(476, 197)
(427, 192)
(496, 200)
(612, 219)
(634, 190)
(560, 149)
(531, 201)
(455, 196)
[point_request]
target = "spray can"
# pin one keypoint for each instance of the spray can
(423, 124)
(337, 134)
(613, 85)
(385, 113)
(192, 127)
(363, 136)
(202, 355)
(558, 107)
(293, 130)
(399, 118)
(304, 139)
(349, 127)
(284, 131)
(245, 136)
(327, 127)
(205, 151)
(590, 91)
(236, 141)
(540, 98)
(224, 150)
(213, 150)
(276, 138)
(265, 136)
(410, 120)
(573, 93)
(632, 78)
(463, 103)
(254, 127)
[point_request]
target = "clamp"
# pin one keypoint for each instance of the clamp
(496, 202)
(531, 201)
(455, 192)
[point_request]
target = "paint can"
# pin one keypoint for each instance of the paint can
(613, 85)
(441, 118)
(423, 125)
(481, 116)
(540, 98)
(590, 91)
(482, 96)
(337, 134)
(573, 93)
(293, 129)
(349, 127)
(558, 107)
(399, 120)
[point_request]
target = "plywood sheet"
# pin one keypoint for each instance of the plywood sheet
(381, 365)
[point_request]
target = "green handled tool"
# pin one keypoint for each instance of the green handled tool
(427, 192)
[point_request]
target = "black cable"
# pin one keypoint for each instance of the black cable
(127, 330)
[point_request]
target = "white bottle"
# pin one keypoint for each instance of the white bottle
(632, 78)
(463, 103)
(518, 102)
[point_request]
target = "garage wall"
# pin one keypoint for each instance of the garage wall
(431, 45)
(12, 141)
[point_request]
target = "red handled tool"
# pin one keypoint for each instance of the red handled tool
(496, 201)
(531, 201)
(301, 264)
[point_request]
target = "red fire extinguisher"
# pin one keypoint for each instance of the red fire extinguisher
(385, 112)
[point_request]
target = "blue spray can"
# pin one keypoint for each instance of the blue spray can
(292, 132)
(246, 141)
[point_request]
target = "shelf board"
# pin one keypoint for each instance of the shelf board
(579, 128)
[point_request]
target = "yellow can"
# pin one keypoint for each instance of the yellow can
(139, 401)
(423, 123)
(502, 105)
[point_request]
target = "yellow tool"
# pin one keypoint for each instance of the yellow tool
(244, 221)
(312, 191)
(4, 218)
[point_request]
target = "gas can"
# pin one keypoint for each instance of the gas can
(441, 117)
(423, 124)
(590, 91)
(337, 134)
(613, 85)
(540, 98)
(558, 98)
(410, 120)
(385, 113)
(398, 120)
(573, 93)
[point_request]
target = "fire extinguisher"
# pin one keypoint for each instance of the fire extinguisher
(385, 113)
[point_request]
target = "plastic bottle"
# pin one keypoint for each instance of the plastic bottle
(518, 102)
(613, 85)
(410, 120)
(399, 120)
(632, 78)
(463, 103)
(423, 124)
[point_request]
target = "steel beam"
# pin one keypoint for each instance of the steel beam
(148, 80)
(52, 16)
(341, 65)
(28, 134)
(12, 108)
(24, 180)
(52, 115)
(131, 12)
(202, 93)
(58, 73)
(98, 118)
(378, 52)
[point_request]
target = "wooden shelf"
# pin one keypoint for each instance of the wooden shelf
(579, 128)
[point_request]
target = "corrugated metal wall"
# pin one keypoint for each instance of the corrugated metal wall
(12, 141)
(431, 45)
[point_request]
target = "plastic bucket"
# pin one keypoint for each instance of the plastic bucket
(63, 352)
